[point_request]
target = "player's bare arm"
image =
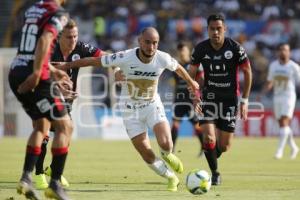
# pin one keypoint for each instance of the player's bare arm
(246, 91)
(193, 69)
(266, 88)
(84, 62)
(42, 48)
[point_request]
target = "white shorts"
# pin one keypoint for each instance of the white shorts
(137, 118)
(284, 106)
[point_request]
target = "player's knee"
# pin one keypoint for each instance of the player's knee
(209, 139)
(64, 127)
(166, 145)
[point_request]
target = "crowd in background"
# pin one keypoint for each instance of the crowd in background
(258, 25)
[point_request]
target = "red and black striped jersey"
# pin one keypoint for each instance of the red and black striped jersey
(42, 16)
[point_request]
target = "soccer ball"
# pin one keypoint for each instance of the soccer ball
(198, 182)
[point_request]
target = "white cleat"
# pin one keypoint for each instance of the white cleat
(278, 155)
(294, 153)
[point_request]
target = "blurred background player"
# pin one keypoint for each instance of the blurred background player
(31, 83)
(220, 58)
(283, 76)
(140, 103)
(182, 101)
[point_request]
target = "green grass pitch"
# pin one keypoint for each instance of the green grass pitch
(112, 170)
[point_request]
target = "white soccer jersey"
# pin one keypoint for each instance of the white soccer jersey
(284, 78)
(141, 78)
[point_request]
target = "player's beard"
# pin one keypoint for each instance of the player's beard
(146, 55)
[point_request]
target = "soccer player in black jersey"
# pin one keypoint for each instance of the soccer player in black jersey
(67, 49)
(32, 83)
(183, 105)
(220, 59)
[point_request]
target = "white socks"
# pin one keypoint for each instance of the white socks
(286, 135)
(160, 168)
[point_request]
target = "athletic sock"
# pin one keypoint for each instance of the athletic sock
(174, 131)
(218, 150)
(58, 162)
(283, 135)
(39, 166)
(160, 168)
(32, 154)
(211, 156)
(291, 140)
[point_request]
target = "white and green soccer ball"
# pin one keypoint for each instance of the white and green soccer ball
(198, 182)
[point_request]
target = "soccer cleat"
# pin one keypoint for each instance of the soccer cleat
(55, 191)
(40, 181)
(294, 153)
(63, 180)
(26, 189)
(174, 162)
(216, 178)
(278, 155)
(173, 183)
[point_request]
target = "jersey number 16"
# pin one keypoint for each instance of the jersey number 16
(28, 40)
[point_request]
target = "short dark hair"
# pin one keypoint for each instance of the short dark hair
(180, 45)
(215, 17)
(282, 44)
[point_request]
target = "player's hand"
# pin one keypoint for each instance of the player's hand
(119, 76)
(29, 84)
(198, 109)
(69, 94)
(58, 74)
(66, 86)
(244, 111)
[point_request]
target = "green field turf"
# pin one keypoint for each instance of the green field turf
(112, 170)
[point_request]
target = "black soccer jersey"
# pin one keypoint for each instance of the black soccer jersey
(81, 50)
(220, 67)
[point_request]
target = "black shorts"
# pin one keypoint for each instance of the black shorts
(222, 113)
(183, 107)
(45, 101)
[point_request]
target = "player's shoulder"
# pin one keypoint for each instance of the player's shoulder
(233, 43)
(119, 57)
(126, 54)
(83, 45)
(202, 45)
(47, 7)
(162, 55)
(293, 63)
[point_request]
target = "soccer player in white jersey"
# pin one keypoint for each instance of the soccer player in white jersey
(282, 76)
(142, 106)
